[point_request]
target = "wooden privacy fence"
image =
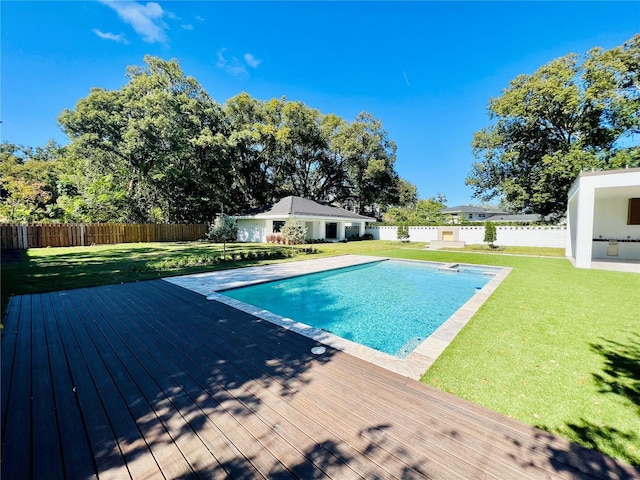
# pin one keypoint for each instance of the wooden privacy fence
(35, 235)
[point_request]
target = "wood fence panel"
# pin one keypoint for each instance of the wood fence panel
(38, 235)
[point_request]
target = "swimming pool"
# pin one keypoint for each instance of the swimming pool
(391, 306)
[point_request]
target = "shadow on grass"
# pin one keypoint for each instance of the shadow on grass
(620, 376)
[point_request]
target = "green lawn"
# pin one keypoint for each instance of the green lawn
(554, 346)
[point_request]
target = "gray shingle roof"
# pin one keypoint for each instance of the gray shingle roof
(291, 205)
(524, 217)
(473, 209)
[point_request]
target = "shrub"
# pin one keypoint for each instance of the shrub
(293, 232)
(490, 233)
(403, 232)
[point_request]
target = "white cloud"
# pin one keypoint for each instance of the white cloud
(252, 61)
(199, 18)
(186, 26)
(120, 38)
(146, 20)
(233, 66)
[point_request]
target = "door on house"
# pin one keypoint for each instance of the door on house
(331, 230)
(447, 236)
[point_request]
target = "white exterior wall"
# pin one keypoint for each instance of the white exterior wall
(421, 234)
(597, 209)
(610, 220)
(542, 236)
(253, 231)
(257, 230)
(383, 233)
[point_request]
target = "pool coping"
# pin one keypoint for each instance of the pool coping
(213, 284)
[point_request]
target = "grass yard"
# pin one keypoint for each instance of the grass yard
(555, 346)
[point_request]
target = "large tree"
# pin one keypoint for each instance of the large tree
(369, 156)
(164, 129)
(161, 150)
(571, 114)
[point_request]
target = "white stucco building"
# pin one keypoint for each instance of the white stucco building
(321, 221)
(603, 217)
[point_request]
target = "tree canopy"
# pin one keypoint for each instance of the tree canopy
(160, 149)
(571, 114)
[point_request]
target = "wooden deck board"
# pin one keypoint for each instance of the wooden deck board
(76, 451)
(48, 462)
(17, 429)
(149, 380)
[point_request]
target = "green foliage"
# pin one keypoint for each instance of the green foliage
(158, 137)
(294, 232)
(569, 115)
(159, 149)
(489, 233)
(403, 232)
(28, 182)
(422, 212)
(223, 229)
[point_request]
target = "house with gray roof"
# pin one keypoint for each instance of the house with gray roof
(471, 213)
(322, 221)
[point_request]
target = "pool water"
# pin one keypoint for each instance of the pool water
(391, 306)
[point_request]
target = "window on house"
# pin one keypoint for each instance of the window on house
(277, 225)
(633, 215)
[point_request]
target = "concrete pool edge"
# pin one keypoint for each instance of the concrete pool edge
(213, 284)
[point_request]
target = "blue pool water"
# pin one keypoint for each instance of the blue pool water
(391, 306)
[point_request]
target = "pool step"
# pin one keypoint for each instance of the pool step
(449, 267)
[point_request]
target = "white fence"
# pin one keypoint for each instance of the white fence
(536, 236)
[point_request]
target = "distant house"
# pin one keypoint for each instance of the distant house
(603, 217)
(323, 222)
(471, 213)
(524, 218)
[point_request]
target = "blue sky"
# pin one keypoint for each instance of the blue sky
(426, 69)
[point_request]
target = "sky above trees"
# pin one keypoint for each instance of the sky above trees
(426, 70)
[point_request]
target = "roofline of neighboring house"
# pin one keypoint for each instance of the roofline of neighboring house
(302, 216)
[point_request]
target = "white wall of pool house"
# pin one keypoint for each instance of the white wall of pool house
(598, 217)
(257, 230)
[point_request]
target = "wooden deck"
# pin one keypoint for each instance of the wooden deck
(149, 380)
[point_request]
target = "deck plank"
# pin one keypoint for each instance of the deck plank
(47, 458)
(102, 438)
(9, 334)
(76, 450)
(152, 380)
(225, 406)
(139, 458)
(269, 413)
(165, 451)
(16, 449)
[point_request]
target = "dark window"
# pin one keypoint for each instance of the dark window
(331, 230)
(277, 225)
(633, 216)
